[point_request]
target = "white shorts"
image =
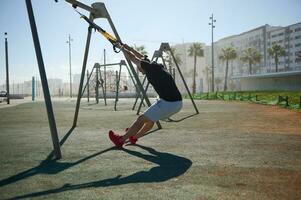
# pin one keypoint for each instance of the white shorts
(162, 109)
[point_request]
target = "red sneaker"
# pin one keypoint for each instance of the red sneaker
(116, 139)
(133, 140)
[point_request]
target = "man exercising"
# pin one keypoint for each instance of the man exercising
(169, 102)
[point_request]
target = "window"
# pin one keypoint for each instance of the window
(298, 45)
(280, 34)
(298, 37)
(298, 29)
(274, 36)
(288, 31)
(280, 41)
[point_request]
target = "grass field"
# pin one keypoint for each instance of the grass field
(231, 150)
(260, 97)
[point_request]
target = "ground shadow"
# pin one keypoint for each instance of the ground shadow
(168, 166)
(179, 120)
(48, 166)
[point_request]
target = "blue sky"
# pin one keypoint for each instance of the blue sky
(147, 22)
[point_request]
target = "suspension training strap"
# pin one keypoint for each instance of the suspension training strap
(116, 44)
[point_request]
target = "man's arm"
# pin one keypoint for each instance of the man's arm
(136, 53)
(131, 56)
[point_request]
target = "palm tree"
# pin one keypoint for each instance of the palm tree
(276, 51)
(251, 56)
(170, 60)
(228, 53)
(207, 72)
(140, 49)
(217, 81)
(195, 50)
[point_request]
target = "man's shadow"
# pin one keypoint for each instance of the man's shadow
(168, 166)
(48, 166)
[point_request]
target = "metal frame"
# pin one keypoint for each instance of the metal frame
(146, 88)
(97, 66)
(98, 10)
(7, 70)
(47, 98)
(165, 47)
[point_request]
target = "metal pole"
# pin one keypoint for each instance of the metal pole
(187, 89)
(69, 43)
(51, 119)
(7, 72)
(138, 94)
(129, 71)
(82, 76)
(212, 52)
(147, 85)
(88, 89)
(105, 77)
(141, 102)
(87, 82)
(132, 68)
(116, 92)
(103, 91)
(96, 87)
(33, 88)
(144, 79)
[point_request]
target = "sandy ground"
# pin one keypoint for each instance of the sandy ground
(231, 150)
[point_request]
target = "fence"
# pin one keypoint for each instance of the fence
(290, 100)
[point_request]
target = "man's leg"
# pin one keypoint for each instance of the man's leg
(135, 127)
(146, 127)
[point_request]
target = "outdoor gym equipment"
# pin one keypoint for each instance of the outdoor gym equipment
(165, 47)
(116, 44)
(99, 80)
(96, 10)
(47, 98)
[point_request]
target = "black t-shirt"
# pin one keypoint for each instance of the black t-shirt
(162, 81)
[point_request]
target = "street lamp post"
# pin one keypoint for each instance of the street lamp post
(7, 74)
(212, 51)
(69, 43)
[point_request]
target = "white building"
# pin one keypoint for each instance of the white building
(187, 66)
(261, 38)
(290, 38)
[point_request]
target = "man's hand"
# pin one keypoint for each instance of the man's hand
(119, 46)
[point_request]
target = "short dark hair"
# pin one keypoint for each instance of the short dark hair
(145, 58)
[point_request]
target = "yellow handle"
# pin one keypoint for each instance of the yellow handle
(108, 36)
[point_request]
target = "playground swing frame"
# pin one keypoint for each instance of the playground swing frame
(97, 66)
(165, 47)
(96, 10)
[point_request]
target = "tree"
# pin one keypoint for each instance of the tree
(217, 81)
(170, 60)
(251, 56)
(276, 51)
(140, 49)
(195, 50)
(228, 53)
(207, 72)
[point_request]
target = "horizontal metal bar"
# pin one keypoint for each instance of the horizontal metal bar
(81, 5)
(112, 64)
